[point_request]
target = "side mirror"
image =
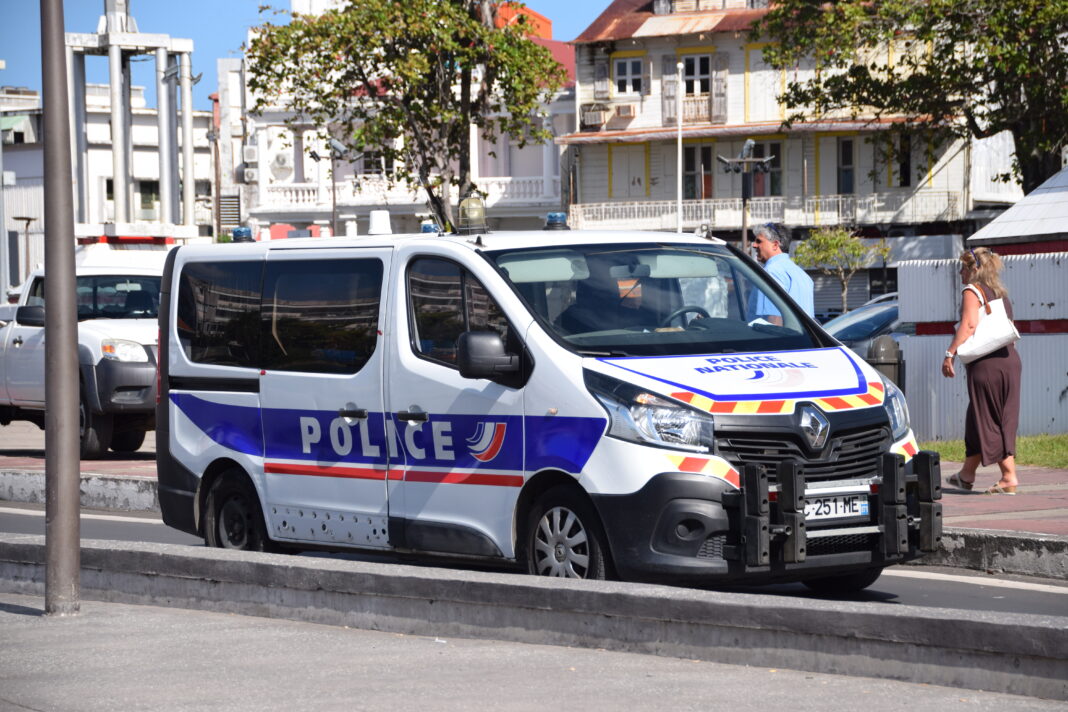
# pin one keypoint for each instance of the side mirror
(481, 355)
(30, 316)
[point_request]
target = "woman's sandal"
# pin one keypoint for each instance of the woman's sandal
(1001, 489)
(956, 481)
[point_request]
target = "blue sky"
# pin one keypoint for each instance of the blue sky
(217, 28)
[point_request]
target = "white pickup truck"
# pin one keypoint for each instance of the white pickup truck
(117, 335)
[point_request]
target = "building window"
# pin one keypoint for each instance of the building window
(697, 172)
(628, 75)
(768, 184)
(904, 161)
(697, 73)
(371, 163)
(845, 166)
(149, 194)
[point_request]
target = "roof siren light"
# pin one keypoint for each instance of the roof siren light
(556, 221)
(472, 216)
(241, 234)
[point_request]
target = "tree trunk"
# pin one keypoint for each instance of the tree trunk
(845, 292)
(464, 159)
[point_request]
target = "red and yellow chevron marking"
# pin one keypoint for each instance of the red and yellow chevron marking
(907, 447)
(874, 396)
(714, 466)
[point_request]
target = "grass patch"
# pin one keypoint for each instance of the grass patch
(1038, 450)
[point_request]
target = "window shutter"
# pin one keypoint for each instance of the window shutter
(718, 95)
(600, 80)
(647, 76)
(668, 88)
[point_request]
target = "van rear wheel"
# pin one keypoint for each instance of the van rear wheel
(848, 583)
(233, 518)
(564, 537)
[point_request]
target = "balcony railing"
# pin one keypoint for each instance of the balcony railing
(815, 211)
(370, 191)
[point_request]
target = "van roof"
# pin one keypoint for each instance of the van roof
(478, 241)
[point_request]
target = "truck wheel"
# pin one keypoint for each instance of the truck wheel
(564, 538)
(233, 519)
(849, 583)
(94, 431)
(128, 441)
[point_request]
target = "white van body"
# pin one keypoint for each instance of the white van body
(535, 446)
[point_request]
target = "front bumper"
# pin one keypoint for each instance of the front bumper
(691, 528)
(122, 387)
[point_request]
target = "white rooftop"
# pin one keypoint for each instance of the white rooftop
(1042, 214)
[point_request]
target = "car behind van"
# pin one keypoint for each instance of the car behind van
(582, 404)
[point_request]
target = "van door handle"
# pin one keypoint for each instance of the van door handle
(352, 412)
(416, 416)
(17, 341)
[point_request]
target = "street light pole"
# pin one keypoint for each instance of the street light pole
(333, 193)
(679, 93)
(746, 164)
(62, 451)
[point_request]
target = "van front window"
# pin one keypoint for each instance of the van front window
(654, 299)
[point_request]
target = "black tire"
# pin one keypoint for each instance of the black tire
(563, 537)
(233, 518)
(128, 441)
(848, 583)
(94, 430)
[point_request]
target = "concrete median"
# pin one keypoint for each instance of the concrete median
(1015, 653)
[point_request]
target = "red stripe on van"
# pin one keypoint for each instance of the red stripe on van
(356, 473)
(463, 478)
(770, 407)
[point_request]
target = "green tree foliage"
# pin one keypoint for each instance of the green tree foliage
(408, 79)
(837, 252)
(955, 68)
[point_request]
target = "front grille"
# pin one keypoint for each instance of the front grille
(849, 453)
(712, 547)
(844, 544)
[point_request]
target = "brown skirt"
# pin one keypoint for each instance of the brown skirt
(993, 405)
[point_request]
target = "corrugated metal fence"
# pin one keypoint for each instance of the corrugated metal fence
(929, 291)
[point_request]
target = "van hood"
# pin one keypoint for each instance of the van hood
(143, 331)
(757, 383)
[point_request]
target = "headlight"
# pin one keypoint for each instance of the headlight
(642, 417)
(123, 350)
(897, 409)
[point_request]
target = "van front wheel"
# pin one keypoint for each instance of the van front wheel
(564, 538)
(233, 519)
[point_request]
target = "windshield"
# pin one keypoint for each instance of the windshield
(111, 296)
(862, 323)
(654, 299)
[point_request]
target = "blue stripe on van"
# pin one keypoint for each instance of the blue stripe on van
(313, 436)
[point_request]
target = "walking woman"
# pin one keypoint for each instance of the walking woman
(993, 380)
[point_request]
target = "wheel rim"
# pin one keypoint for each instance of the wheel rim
(233, 528)
(561, 545)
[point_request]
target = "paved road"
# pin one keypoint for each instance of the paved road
(942, 588)
(115, 656)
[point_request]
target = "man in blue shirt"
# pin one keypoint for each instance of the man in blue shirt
(772, 248)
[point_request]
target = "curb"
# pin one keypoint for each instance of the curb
(1026, 554)
(968, 649)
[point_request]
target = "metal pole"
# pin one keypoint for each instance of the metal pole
(188, 174)
(62, 552)
(679, 93)
(119, 169)
(163, 111)
(747, 188)
(333, 193)
(5, 256)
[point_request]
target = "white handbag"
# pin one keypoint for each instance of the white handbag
(995, 329)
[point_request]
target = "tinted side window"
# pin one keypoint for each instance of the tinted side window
(446, 300)
(219, 312)
(320, 316)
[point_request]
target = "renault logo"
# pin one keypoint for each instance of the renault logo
(814, 425)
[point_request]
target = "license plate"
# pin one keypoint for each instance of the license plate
(836, 507)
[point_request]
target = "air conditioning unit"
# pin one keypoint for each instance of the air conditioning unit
(250, 154)
(626, 111)
(251, 175)
(595, 118)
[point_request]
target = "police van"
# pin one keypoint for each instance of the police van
(584, 404)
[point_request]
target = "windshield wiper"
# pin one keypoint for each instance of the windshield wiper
(601, 354)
